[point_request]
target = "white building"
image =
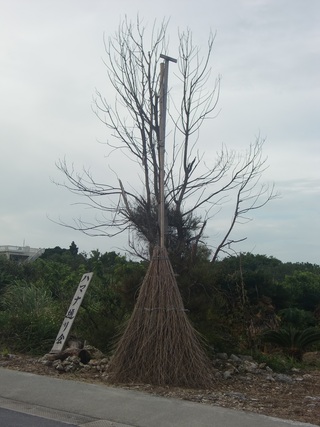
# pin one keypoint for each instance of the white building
(21, 253)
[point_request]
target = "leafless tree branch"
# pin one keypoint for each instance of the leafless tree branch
(132, 120)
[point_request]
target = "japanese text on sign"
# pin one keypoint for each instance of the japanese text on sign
(71, 313)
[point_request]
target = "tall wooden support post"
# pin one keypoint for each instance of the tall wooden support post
(164, 69)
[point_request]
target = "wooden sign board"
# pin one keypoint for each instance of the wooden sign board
(71, 314)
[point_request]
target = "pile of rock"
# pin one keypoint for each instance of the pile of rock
(74, 359)
(225, 367)
(246, 367)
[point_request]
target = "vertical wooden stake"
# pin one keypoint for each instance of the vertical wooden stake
(164, 69)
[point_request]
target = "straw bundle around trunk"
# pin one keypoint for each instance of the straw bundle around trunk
(159, 345)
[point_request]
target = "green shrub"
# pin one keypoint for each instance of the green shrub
(297, 318)
(277, 362)
(28, 320)
(293, 342)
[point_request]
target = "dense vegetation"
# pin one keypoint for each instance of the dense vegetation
(234, 303)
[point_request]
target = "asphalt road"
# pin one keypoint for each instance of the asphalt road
(10, 418)
(92, 405)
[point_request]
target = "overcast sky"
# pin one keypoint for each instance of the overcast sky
(268, 54)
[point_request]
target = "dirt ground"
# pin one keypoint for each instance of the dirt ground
(297, 400)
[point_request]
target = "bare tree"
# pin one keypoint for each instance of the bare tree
(194, 189)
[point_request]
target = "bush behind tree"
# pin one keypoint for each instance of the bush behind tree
(29, 318)
(230, 302)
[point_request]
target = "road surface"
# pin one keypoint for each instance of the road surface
(92, 405)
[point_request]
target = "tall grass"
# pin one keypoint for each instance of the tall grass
(28, 318)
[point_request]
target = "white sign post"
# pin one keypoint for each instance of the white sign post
(71, 314)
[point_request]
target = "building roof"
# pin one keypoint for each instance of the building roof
(21, 253)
